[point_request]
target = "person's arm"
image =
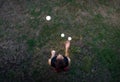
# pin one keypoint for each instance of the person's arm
(52, 55)
(66, 52)
(49, 61)
(67, 45)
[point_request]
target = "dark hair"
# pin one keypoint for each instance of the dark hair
(59, 64)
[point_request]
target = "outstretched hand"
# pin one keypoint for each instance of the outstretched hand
(67, 44)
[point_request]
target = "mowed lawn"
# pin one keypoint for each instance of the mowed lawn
(26, 39)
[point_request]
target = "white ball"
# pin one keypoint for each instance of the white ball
(48, 18)
(62, 35)
(69, 38)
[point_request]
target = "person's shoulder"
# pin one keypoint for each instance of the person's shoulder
(67, 58)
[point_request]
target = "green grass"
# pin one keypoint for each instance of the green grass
(87, 64)
(95, 41)
(104, 2)
(109, 59)
(1, 21)
(34, 23)
(31, 44)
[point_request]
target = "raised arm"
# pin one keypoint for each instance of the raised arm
(52, 55)
(67, 45)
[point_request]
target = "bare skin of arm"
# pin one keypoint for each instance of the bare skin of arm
(52, 55)
(67, 46)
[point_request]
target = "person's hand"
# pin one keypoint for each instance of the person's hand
(67, 44)
(53, 53)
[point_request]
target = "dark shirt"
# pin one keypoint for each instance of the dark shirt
(53, 60)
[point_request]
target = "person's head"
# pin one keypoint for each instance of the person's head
(59, 57)
(59, 63)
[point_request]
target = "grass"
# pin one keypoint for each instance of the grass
(31, 43)
(94, 48)
(87, 64)
(109, 58)
(104, 2)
